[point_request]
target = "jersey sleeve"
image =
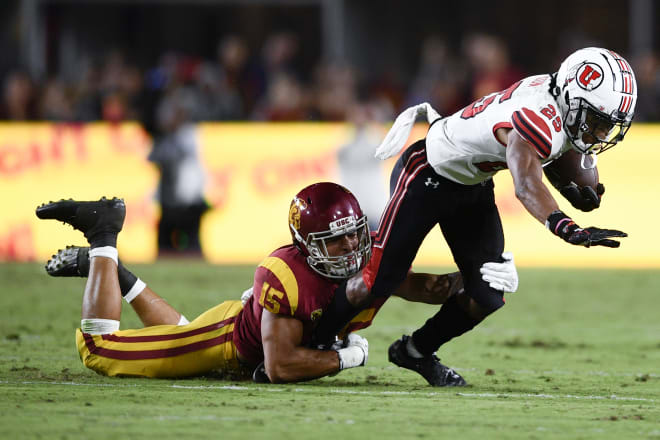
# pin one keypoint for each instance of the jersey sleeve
(276, 287)
(534, 129)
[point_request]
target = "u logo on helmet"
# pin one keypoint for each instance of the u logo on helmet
(589, 76)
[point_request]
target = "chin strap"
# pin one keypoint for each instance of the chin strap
(555, 91)
(594, 160)
(398, 135)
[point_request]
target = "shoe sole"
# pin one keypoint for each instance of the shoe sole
(65, 263)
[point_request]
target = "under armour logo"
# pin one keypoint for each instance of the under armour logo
(429, 182)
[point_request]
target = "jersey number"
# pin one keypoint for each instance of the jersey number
(550, 113)
(269, 297)
(480, 105)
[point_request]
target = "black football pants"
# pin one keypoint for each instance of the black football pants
(420, 199)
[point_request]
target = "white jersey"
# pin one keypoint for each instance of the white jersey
(463, 147)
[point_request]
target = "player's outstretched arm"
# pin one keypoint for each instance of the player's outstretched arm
(286, 360)
(534, 195)
(435, 289)
(429, 288)
(526, 170)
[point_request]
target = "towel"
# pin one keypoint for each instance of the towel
(398, 134)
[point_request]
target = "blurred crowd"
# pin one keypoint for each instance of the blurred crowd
(268, 85)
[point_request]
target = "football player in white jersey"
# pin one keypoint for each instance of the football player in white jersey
(446, 179)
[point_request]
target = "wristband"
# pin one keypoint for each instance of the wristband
(560, 224)
(350, 357)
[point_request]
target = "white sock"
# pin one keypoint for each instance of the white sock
(105, 251)
(137, 289)
(412, 350)
(183, 321)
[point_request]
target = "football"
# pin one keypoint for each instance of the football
(567, 168)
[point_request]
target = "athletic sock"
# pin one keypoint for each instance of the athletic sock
(449, 322)
(102, 239)
(104, 251)
(130, 285)
(334, 318)
(126, 279)
(137, 288)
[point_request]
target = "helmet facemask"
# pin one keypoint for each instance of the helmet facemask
(339, 266)
(592, 131)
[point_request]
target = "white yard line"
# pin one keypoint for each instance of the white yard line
(276, 388)
(548, 372)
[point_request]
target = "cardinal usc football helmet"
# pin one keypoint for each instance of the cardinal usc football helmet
(596, 92)
(321, 213)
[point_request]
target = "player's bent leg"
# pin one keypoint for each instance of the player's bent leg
(151, 308)
(407, 219)
(203, 346)
(154, 310)
(395, 244)
(475, 237)
(102, 297)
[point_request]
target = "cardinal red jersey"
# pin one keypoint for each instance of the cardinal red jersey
(284, 284)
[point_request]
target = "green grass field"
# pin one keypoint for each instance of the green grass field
(575, 354)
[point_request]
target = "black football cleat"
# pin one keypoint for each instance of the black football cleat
(429, 367)
(70, 262)
(91, 218)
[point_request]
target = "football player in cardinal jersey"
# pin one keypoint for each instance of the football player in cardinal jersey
(445, 179)
(293, 286)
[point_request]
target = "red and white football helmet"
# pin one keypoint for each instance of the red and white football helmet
(596, 93)
(324, 211)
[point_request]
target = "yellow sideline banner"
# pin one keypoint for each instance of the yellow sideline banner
(43, 161)
(252, 172)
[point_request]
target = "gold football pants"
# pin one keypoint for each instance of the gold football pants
(203, 346)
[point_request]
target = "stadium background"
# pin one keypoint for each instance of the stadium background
(273, 91)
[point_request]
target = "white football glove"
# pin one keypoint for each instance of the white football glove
(246, 296)
(356, 352)
(501, 276)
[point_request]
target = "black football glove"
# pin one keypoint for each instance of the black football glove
(583, 198)
(563, 226)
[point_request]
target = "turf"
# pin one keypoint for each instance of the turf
(575, 354)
